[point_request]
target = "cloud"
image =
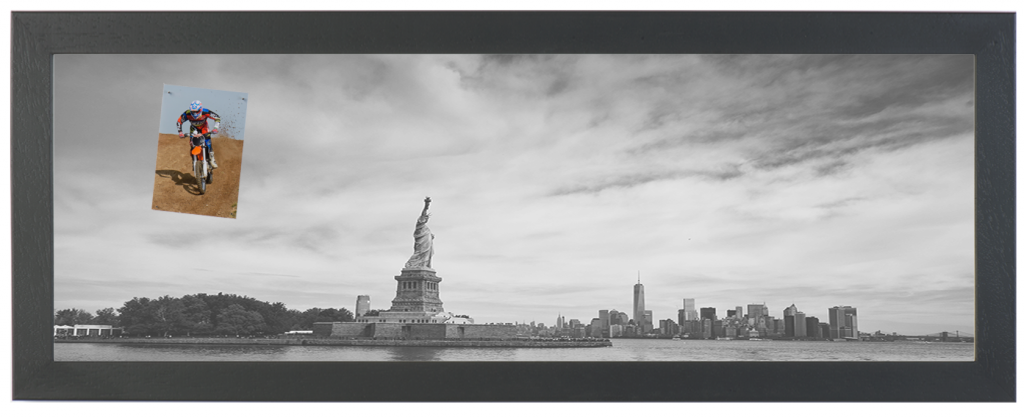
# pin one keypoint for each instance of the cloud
(724, 173)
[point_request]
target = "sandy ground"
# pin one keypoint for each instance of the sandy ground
(175, 188)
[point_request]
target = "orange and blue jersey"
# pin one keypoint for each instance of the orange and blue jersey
(198, 122)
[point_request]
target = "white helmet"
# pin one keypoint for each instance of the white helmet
(196, 108)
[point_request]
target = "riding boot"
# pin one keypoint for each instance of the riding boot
(213, 160)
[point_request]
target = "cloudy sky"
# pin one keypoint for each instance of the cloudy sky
(808, 180)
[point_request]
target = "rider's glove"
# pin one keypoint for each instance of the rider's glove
(181, 134)
(214, 130)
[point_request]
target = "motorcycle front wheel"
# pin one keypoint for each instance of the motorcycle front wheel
(200, 181)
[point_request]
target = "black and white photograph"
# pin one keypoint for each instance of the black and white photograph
(519, 208)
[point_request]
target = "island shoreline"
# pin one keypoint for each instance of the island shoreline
(523, 343)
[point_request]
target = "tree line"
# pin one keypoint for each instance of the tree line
(203, 314)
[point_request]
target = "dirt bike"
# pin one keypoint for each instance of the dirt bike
(200, 166)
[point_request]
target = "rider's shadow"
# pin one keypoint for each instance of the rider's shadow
(186, 180)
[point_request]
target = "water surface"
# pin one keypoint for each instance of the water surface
(621, 350)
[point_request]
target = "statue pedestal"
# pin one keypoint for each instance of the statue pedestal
(418, 290)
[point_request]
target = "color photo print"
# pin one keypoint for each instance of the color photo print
(197, 126)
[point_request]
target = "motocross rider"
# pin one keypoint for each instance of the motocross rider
(198, 118)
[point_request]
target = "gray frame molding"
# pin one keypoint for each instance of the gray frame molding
(37, 36)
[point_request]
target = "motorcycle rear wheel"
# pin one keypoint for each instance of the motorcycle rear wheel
(209, 166)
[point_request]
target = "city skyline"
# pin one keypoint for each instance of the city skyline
(815, 180)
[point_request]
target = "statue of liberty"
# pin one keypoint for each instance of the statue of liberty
(423, 247)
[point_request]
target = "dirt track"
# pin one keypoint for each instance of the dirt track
(175, 188)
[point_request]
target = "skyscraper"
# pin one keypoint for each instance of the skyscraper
(668, 327)
(638, 302)
(595, 327)
(707, 320)
(843, 321)
(690, 307)
(757, 311)
(613, 317)
(605, 319)
(790, 311)
(799, 325)
(618, 318)
(362, 305)
(789, 317)
(813, 328)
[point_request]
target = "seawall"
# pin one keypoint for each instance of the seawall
(518, 343)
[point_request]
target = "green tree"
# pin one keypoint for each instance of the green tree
(335, 315)
(167, 315)
(236, 320)
(106, 316)
(307, 318)
(277, 317)
(294, 317)
(72, 316)
(220, 313)
(137, 316)
(195, 316)
(65, 317)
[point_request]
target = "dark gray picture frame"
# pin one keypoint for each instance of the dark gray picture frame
(36, 37)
